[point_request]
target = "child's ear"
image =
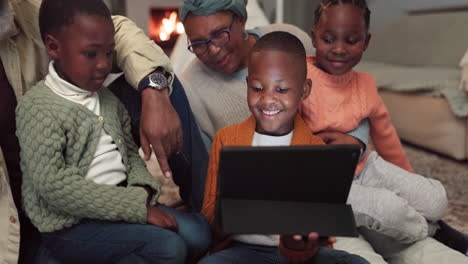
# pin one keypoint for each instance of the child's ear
(52, 46)
(307, 88)
(312, 35)
(368, 37)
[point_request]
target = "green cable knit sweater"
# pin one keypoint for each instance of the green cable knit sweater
(58, 139)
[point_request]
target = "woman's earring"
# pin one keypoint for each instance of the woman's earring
(246, 35)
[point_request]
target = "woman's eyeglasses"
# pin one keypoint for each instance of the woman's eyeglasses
(218, 39)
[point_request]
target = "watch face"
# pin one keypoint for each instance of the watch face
(157, 80)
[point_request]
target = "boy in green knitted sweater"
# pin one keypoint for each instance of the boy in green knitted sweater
(85, 186)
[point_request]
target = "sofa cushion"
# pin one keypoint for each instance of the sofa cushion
(411, 79)
(427, 121)
(428, 81)
(431, 39)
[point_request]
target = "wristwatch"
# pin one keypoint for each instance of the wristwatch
(155, 80)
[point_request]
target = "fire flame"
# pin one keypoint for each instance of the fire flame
(167, 26)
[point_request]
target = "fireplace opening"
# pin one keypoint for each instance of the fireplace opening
(165, 27)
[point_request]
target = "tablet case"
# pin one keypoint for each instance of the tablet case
(286, 190)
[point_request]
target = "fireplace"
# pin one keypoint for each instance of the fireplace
(164, 27)
(159, 20)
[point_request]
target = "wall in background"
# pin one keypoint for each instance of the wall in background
(384, 11)
(301, 12)
(296, 12)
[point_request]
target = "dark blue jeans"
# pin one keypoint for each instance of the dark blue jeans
(93, 241)
(188, 167)
(240, 253)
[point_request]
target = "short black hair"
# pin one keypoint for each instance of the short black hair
(55, 14)
(362, 4)
(282, 41)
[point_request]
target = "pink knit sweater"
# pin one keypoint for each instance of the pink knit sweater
(341, 102)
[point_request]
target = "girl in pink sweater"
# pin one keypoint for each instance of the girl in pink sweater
(386, 196)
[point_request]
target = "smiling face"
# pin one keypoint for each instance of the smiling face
(233, 55)
(276, 86)
(83, 50)
(340, 38)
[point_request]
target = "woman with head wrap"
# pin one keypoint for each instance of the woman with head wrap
(215, 84)
(215, 80)
(221, 16)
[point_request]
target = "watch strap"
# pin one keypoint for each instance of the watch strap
(144, 83)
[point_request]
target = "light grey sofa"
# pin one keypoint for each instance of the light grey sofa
(415, 61)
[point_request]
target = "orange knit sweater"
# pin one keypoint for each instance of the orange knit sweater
(341, 102)
(242, 135)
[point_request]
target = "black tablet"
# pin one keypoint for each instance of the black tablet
(286, 190)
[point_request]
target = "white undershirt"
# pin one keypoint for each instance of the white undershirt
(107, 166)
(260, 140)
(265, 141)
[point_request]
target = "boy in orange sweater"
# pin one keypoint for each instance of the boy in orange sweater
(277, 84)
(386, 197)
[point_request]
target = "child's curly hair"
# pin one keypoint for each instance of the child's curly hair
(362, 4)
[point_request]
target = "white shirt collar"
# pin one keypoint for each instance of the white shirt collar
(266, 140)
(71, 92)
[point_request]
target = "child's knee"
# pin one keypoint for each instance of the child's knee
(402, 233)
(389, 214)
(436, 207)
(425, 195)
(198, 236)
(193, 228)
(172, 249)
(201, 239)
